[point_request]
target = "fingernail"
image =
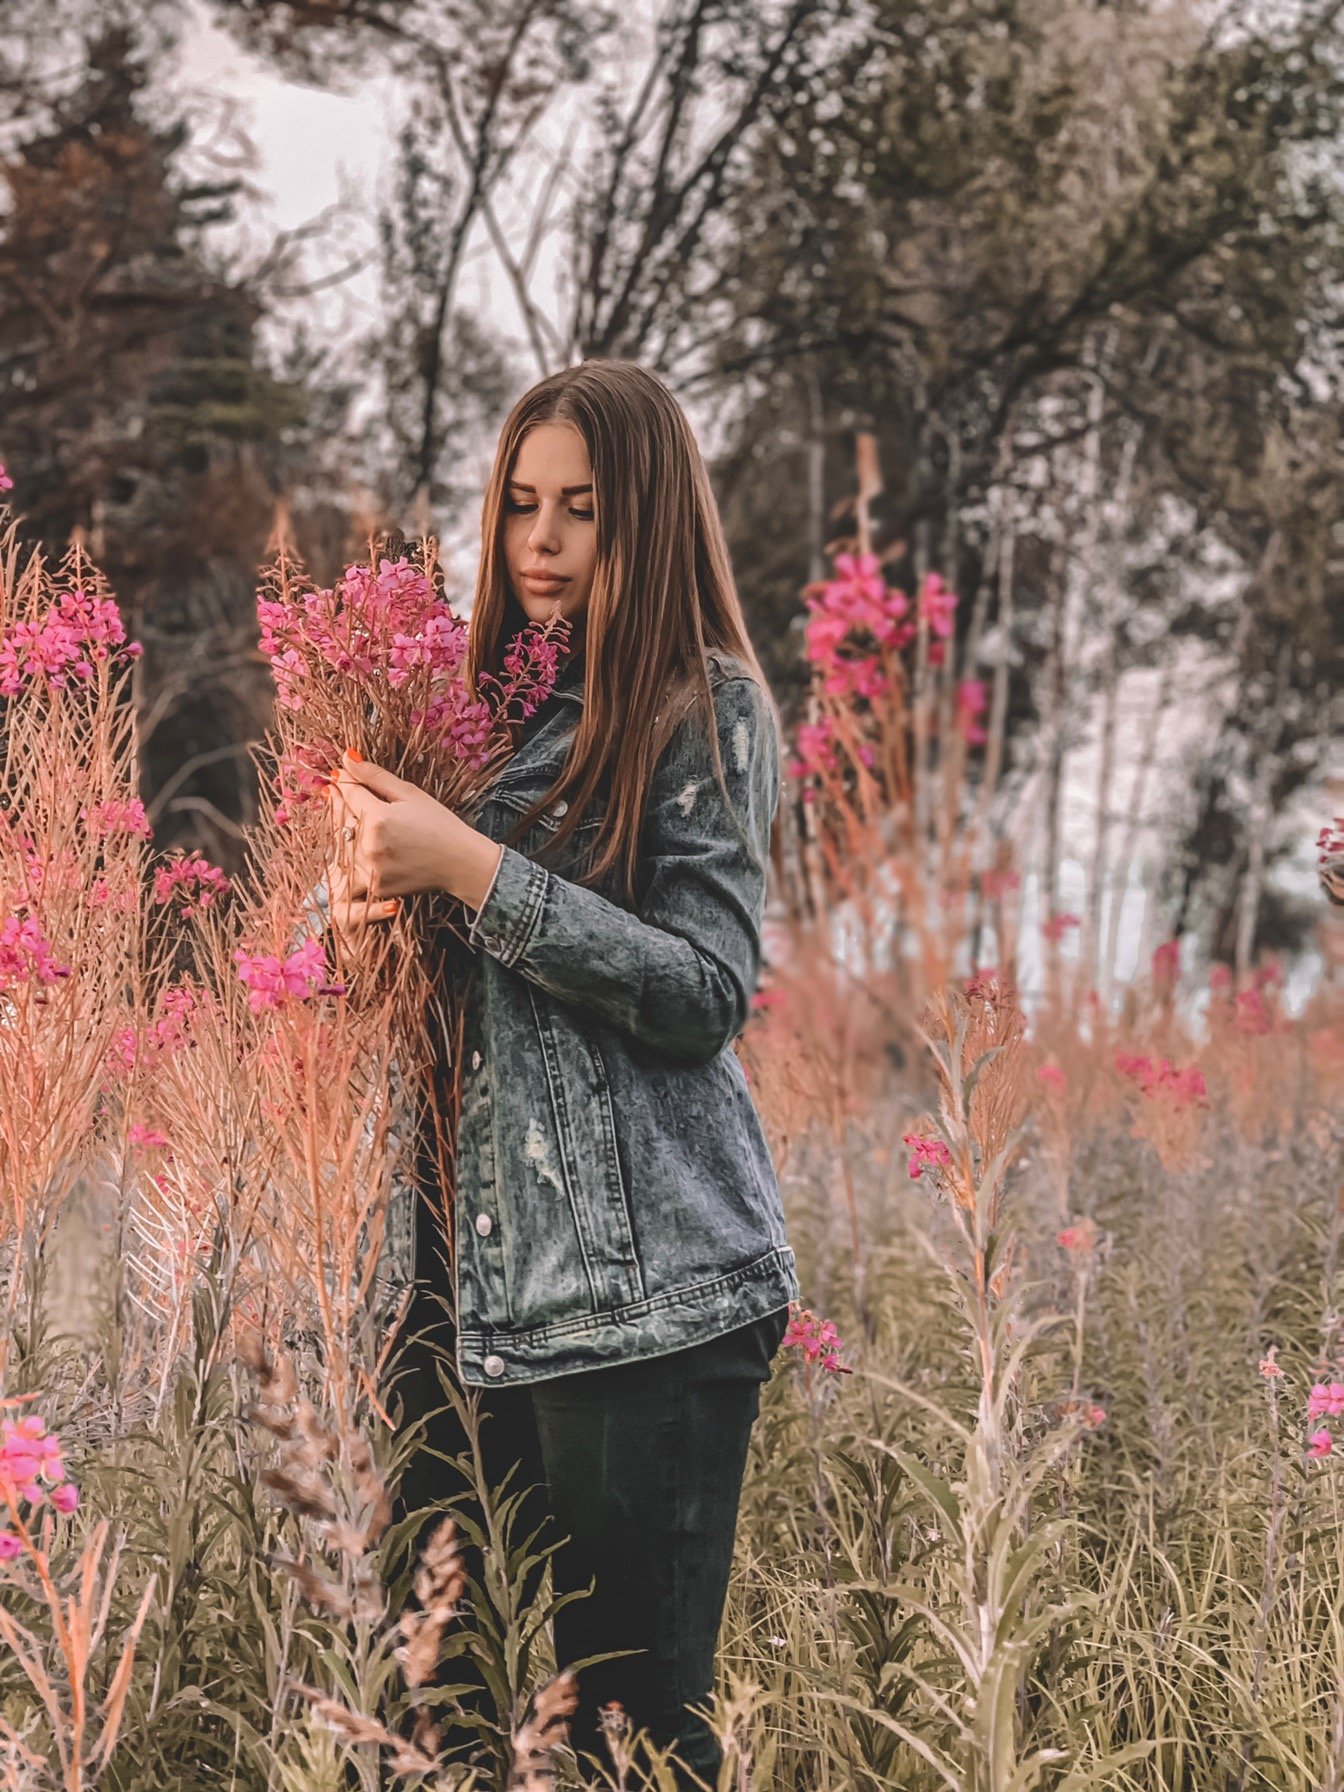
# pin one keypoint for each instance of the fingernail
(356, 755)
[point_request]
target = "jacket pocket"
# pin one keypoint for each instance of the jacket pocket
(585, 1126)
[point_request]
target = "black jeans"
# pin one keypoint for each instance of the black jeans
(638, 1467)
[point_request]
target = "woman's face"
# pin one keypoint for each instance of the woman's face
(550, 527)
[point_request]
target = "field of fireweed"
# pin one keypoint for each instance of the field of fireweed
(1045, 1489)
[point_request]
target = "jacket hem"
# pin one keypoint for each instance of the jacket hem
(656, 1326)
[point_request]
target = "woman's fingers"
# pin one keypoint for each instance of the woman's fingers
(353, 915)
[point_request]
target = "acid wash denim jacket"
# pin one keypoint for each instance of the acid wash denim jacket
(615, 1194)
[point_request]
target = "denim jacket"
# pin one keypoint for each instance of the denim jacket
(615, 1193)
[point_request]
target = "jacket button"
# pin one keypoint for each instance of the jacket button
(559, 807)
(475, 1060)
(493, 1365)
(484, 1224)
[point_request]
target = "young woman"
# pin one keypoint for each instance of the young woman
(621, 1271)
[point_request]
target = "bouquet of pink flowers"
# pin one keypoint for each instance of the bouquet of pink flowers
(378, 662)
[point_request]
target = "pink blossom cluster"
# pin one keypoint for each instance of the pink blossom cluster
(817, 1339)
(147, 1138)
(374, 624)
(986, 985)
(925, 1154)
(192, 879)
(1087, 1413)
(6, 483)
(164, 1036)
(26, 954)
(29, 1455)
(1329, 842)
(1250, 1011)
(388, 628)
(1166, 964)
(972, 698)
(997, 881)
(1057, 926)
(117, 817)
(76, 630)
(938, 605)
(857, 602)
(272, 982)
(1081, 1237)
(382, 626)
(1325, 1401)
(1162, 1078)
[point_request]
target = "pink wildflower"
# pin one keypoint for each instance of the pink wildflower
(132, 1049)
(1320, 1443)
(118, 817)
(1180, 1087)
(64, 1496)
(271, 982)
(925, 1154)
(1326, 1400)
(77, 630)
(816, 1338)
(1269, 1369)
(10, 1547)
(192, 878)
(1051, 1075)
(147, 1137)
(972, 697)
(6, 483)
(1250, 1014)
(816, 748)
(1166, 964)
(1057, 926)
(938, 604)
(30, 1454)
(1079, 1237)
(997, 882)
(985, 984)
(856, 601)
(26, 954)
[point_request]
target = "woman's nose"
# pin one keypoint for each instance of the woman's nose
(542, 535)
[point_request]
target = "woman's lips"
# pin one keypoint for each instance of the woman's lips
(540, 582)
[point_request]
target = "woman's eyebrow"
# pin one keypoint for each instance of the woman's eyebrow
(565, 490)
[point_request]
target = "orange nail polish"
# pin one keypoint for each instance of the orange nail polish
(356, 755)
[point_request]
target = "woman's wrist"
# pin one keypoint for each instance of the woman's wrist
(470, 864)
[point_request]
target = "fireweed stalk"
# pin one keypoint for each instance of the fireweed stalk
(877, 852)
(72, 1590)
(992, 1544)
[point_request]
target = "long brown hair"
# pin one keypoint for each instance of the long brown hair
(662, 594)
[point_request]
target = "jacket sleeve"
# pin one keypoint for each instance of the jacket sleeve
(679, 973)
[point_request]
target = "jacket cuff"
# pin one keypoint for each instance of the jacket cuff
(507, 918)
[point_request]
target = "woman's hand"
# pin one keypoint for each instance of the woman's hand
(354, 917)
(405, 841)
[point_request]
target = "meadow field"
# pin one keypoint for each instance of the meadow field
(1045, 1490)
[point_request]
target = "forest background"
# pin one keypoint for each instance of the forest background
(1075, 266)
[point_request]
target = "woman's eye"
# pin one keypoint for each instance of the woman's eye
(580, 516)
